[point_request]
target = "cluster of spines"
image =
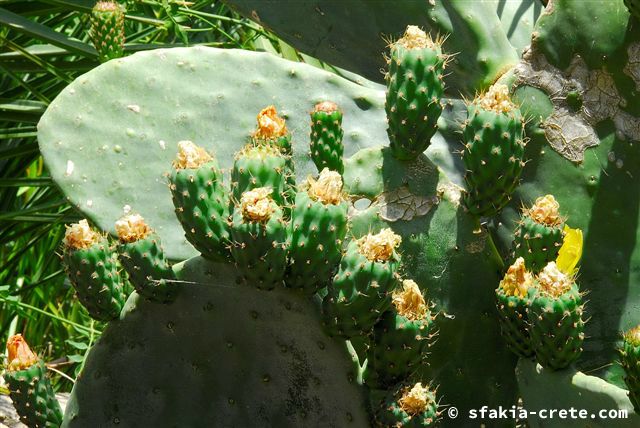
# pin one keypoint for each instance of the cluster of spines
(318, 229)
(408, 405)
(400, 339)
(29, 386)
(493, 151)
(361, 290)
(542, 315)
(540, 233)
(326, 137)
(107, 29)
(201, 201)
(92, 266)
(414, 90)
(630, 361)
(141, 254)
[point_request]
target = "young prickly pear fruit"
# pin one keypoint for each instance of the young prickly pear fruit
(494, 148)
(272, 130)
(408, 406)
(318, 228)
(257, 166)
(512, 303)
(555, 317)
(201, 201)
(91, 265)
(29, 386)
(361, 290)
(414, 90)
(400, 338)
(107, 30)
(538, 237)
(630, 360)
(259, 235)
(142, 256)
(326, 137)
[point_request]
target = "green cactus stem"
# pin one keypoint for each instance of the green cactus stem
(494, 149)
(556, 324)
(326, 137)
(318, 229)
(361, 290)
(107, 30)
(141, 254)
(539, 235)
(401, 338)
(201, 201)
(92, 267)
(634, 8)
(630, 361)
(414, 91)
(513, 309)
(408, 406)
(259, 235)
(29, 386)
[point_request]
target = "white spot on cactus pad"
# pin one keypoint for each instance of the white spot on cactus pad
(126, 209)
(401, 204)
(89, 203)
(70, 167)
(134, 108)
(163, 144)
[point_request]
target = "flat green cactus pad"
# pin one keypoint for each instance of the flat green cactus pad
(221, 354)
(566, 389)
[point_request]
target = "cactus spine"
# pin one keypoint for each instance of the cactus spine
(414, 91)
(539, 235)
(326, 137)
(318, 228)
(141, 254)
(494, 149)
(630, 361)
(92, 268)
(107, 30)
(29, 386)
(201, 201)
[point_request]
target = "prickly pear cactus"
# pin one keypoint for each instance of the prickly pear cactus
(444, 221)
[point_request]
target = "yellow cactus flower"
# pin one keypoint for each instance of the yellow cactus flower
(571, 251)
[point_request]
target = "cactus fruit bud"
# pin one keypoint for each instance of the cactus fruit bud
(107, 29)
(546, 210)
(261, 165)
(29, 386)
(327, 189)
(92, 268)
(409, 301)
(256, 205)
(132, 228)
(512, 305)
(517, 280)
(553, 282)
(494, 149)
(414, 90)
(191, 156)
(19, 355)
(408, 406)
(379, 247)
(630, 361)
(270, 125)
(556, 324)
(80, 236)
(326, 137)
